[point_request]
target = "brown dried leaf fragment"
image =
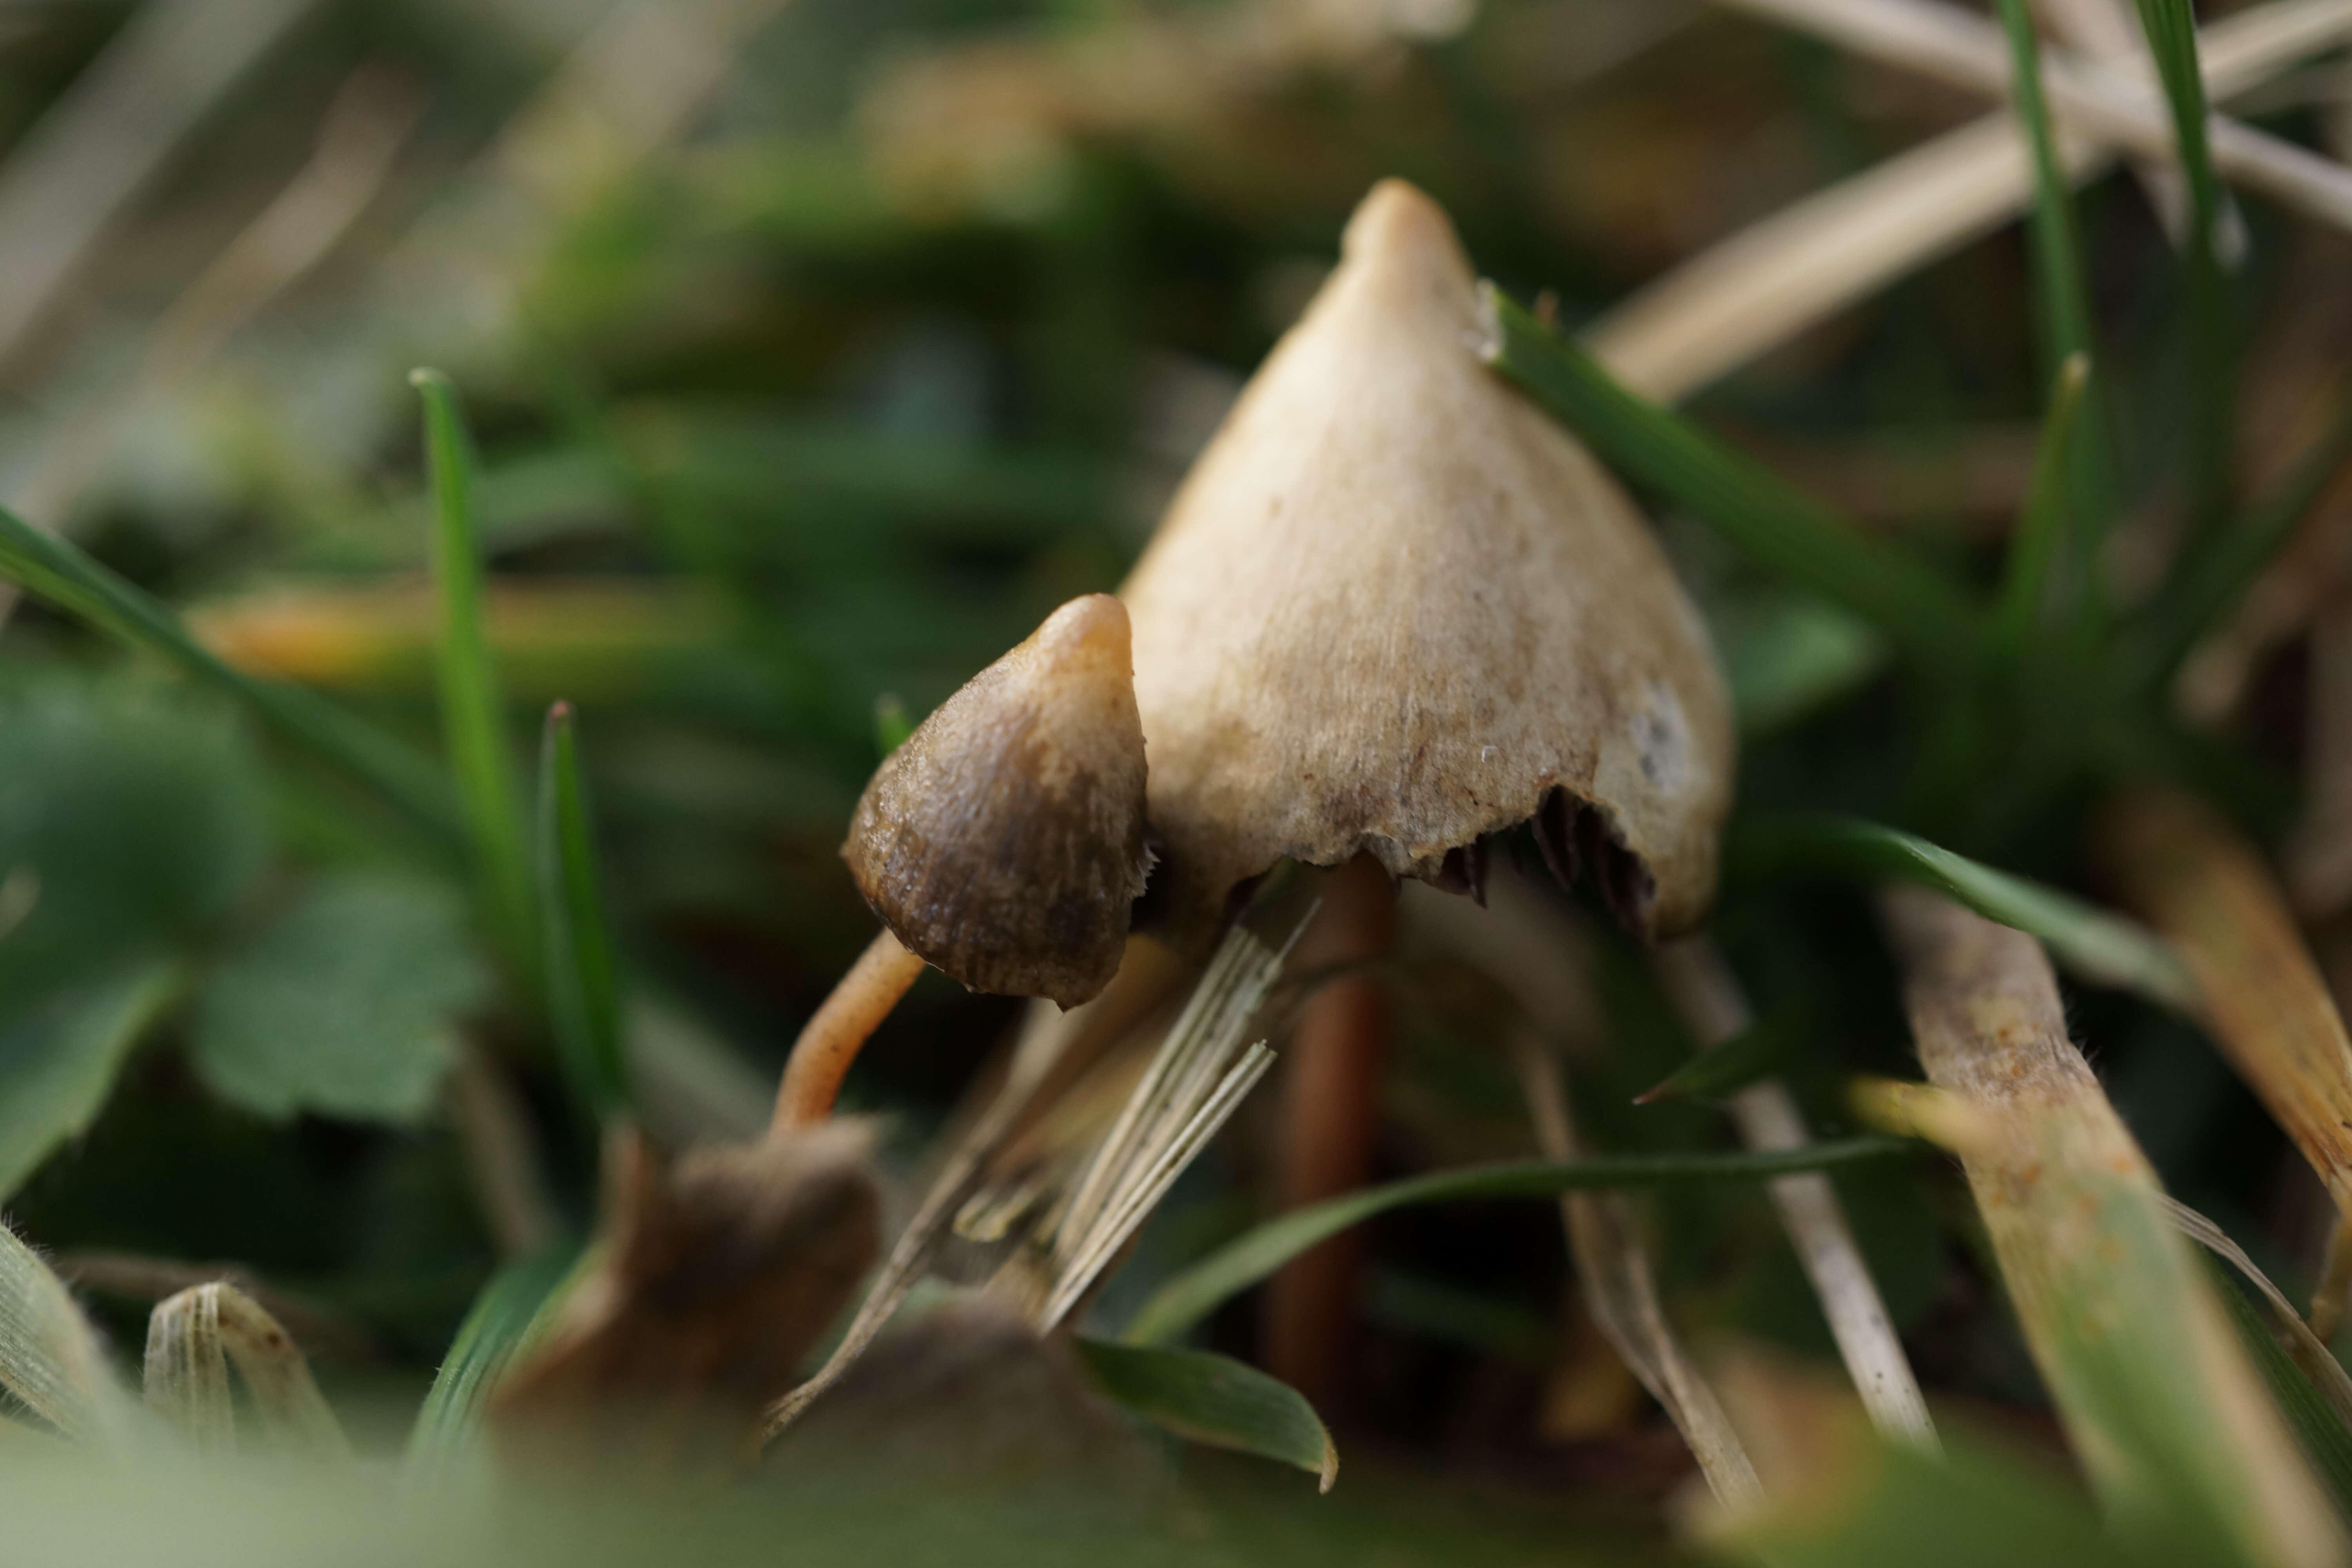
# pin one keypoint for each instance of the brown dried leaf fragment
(2169, 1418)
(1004, 842)
(1395, 608)
(719, 1274)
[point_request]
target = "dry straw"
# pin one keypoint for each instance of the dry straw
(193, 1337)
(1768, 282)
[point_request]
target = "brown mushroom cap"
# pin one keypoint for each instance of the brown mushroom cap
(1004, 841)
(1395, 608)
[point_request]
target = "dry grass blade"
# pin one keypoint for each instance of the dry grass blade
(358, 141)
(1707, 995)
(192, 1338)
(1613, 1272)
(2190, 876)
(1198, 1076)
(187, 1371)
(49, 1355)
(1782, 274)
(2164, 1408)
(1944, 41)
(2105, 31)
(107, 139)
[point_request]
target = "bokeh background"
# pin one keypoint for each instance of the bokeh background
(815, 349)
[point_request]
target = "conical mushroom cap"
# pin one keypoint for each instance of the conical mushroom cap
(1004, 841)
(1394, 608)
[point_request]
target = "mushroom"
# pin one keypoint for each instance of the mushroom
(1003, 843)
(1395, 609)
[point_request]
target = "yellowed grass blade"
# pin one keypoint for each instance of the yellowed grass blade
(1191, 1072)
(193, 1337)
(1777, 277)
(2193, 878)
(2169, 1418)
(1613, 1272)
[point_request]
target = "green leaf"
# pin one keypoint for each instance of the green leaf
(129, 826)
(473, 709)
(1242, 1263)
(61, 573)
(1725, 1068)
(444, 1446)
(582, 994)
(1214, 1399)
(346, 1003)
(1761, 515)
(59, 1053)
(129, 822)
(2099, 946)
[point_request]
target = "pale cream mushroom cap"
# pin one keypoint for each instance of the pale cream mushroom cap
(1394, 608)
(1004, 842)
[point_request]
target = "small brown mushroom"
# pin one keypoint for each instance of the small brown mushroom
(1395, 609)
(1004, 843)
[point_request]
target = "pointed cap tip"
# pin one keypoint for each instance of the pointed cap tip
(1092, 626)
(1398, 217)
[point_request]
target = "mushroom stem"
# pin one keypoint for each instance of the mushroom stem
(1331, 1102)
(830, 1042)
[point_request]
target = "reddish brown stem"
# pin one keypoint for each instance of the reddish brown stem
(821, 1057)
(1330, 1129)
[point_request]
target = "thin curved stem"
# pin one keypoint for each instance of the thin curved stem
(830, 1041)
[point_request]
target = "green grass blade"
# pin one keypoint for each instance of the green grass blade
(473, 709)
(2099, 946)
(2171, 28)
(1760, 514)
(1242, 1263)
(582, 993)
(1213, 1399)
(2209, 582)
(1724, 1069)
(64, 575)
(444, 1445)
(2034, 551)
(2063, 301)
